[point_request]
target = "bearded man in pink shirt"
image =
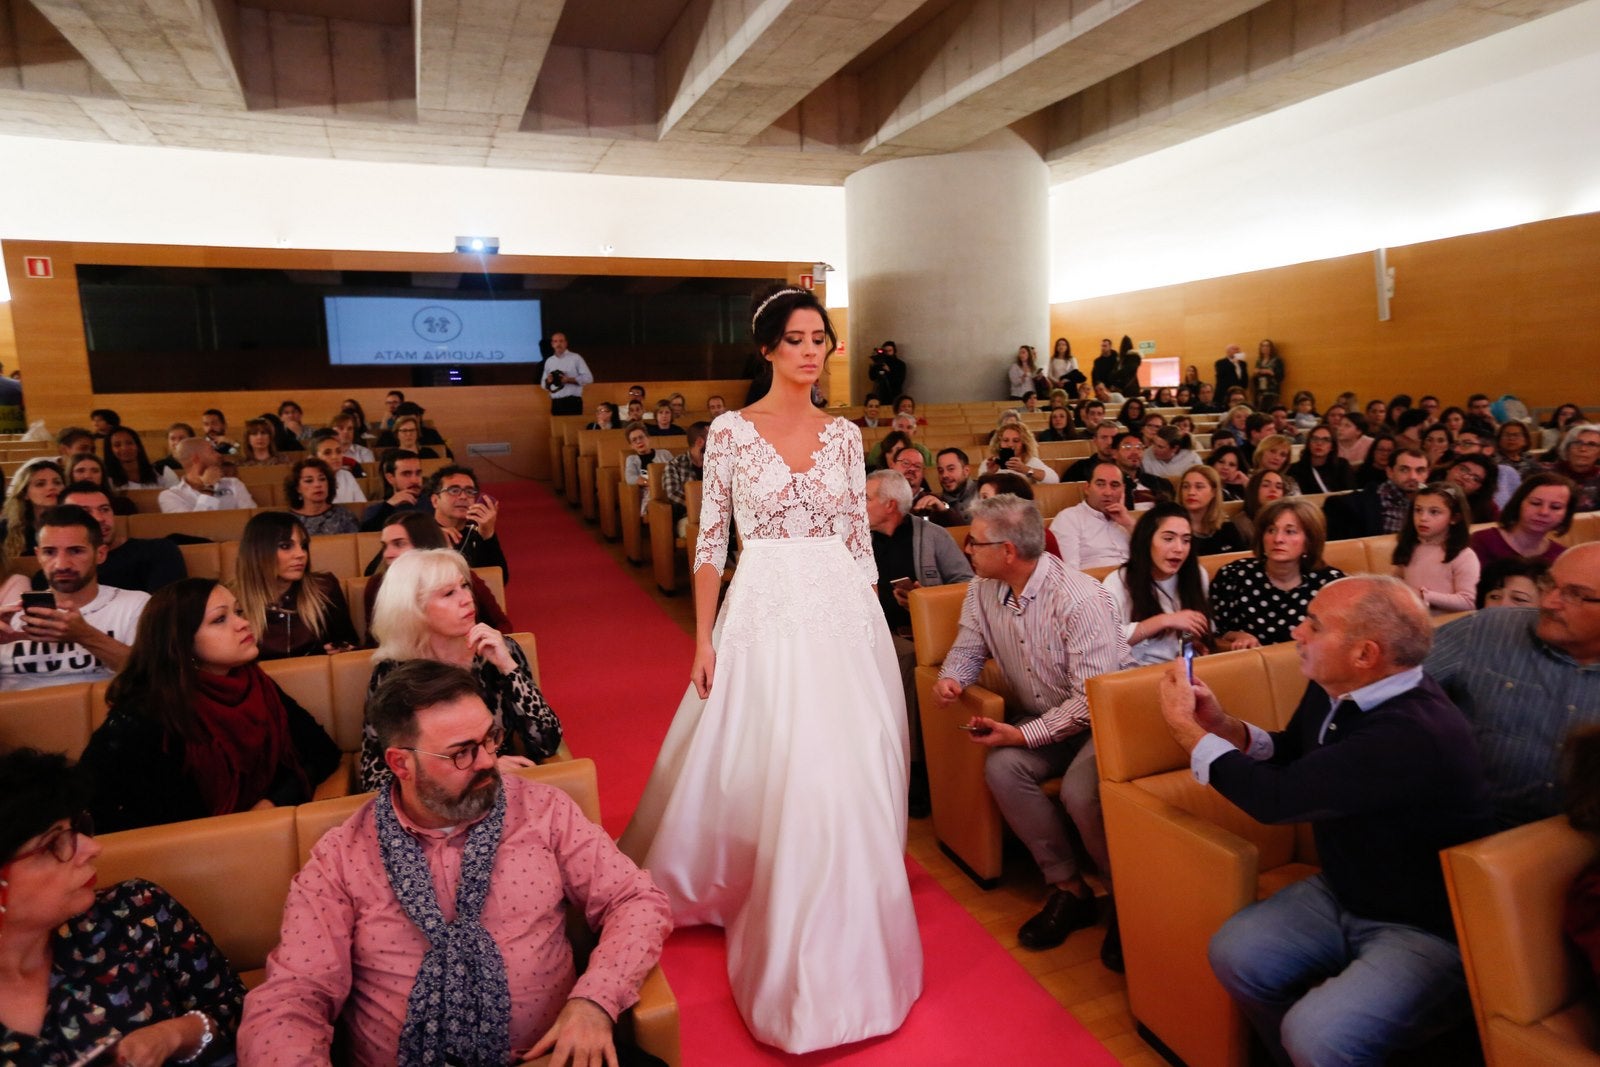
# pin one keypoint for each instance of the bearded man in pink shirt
(431, 923)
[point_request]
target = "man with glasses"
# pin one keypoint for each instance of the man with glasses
(1049, 629)
(431, 924)
(1526, 678)
(467, 517)
(1138, 487)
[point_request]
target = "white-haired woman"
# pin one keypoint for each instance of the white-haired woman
(425, 610)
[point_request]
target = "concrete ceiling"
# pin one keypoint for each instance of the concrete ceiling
(802, 91)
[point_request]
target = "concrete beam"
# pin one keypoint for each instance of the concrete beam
(481, 56)
(156, 49)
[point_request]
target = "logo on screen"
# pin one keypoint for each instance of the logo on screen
(436, 324)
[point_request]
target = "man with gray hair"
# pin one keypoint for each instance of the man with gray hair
(906, 423)
(1050, 630)
(202, 486)
(1358, 961)
(911, 552)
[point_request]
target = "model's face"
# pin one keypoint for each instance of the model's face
(292, 556)
(1519, 591)
(313, 486)
(1285, 540)
(800, 352)
(224, 639)
(1195, 493)
(44, 488)
(450, 611)
(1544, 509)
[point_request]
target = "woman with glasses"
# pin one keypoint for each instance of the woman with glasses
(195, 727)
(120, 975)
(1537, 513)
(1579, 461)
(425, 610)
(293, 610)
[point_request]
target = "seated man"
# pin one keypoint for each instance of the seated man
(910, 552)
(72, 442)
(1138, 487)
(468, 963)
(1166, 457)
(214, 428)
(1095, 532)
(1357, 961)
(86, 636)
(715, 405)
(1382, 508)
(1525, 678)
(684, 468)
(909, 464)
(467, 517)
(957, 491)
(344, 425)
(1050, 629)
(1103, 439)
(1091, 413)
(142, 563)
(402, 476)
(202, 486)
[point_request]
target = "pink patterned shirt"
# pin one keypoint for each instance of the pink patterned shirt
(348, 952)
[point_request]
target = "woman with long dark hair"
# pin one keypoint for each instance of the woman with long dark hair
(128, 465)
(196, 728)
(292, 610)
(1161, 590)
(1320, 468)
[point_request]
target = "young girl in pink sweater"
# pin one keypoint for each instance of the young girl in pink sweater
(1432, 556)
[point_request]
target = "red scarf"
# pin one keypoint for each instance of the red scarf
(247, 739)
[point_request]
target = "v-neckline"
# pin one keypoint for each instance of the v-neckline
(822, 443)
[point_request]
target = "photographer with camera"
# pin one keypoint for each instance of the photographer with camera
(887, 371)
(565, 375)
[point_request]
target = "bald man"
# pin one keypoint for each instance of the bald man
(1358, 961)
(1526, 678)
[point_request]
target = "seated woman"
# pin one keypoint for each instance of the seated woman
(1273, 453)
(195, 727)
(293, 610)
(36, 485)
(307, 489)
(1476, 476)
(168, 469)
(1513, 582)
(605, 418)
(1060, 428)
(408, 434)
(1374, 470)
(1232, 465)
(120, 975)
(1013, 448)
(1514, 447)
(128, 466)
(1436, 444)
(1131, 417)
(417, 529)
(260, 446)
(1200, 493)
(90, 468)
(1258, 601)
(1263, 488)
(1320, 468)
(1232, 430)
(346, 490)
(1537, 513)
(425, 611)
(1161, 590)
(1431, 554)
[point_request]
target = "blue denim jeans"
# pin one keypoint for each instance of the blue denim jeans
(1323, 987)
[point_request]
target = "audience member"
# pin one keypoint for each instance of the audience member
(957, 491)
(1103, 440)
(1232, 465)
(1021, 373)
(1453, 419)
(1353, 439)
(344, 427)
(1169, 455)
(909, 464)
(1234, 428)
(1131, 415)
(715, 405)
(214, 428)
(1091, 415)
(84, 637)
(352, 406)
(467, 517)
(1474, 475)
(1382, 508)
(1267, 380)
(905, 422)
(1049, 629)
(408, 435)
(871, 413)
(1513, 582)
(1305, 412)
(142, 563)
(1320, 469)
(90, 468)
(122, 974)
(1262, 488)
(1578, 458)
(1063, 370)
(260, 446)
(1095, 531)
(1431, 553)
(1538, 512)
(1138, 487)
(292, 610)
(1200, 493)
(605, 417)
(168, 468)
(402, 477)
(416, 529)
(1513, 446)
(1408, 426)
(1374, 470)
(1161, 589)
(1013, 448)
(1231, 371)
(686, 467)
(346, 490)
(1359, 960)
(1059, 427)
(72, 442)
(488, 867)
(102, 421)
(294, 428)
(1525, 678)
(425, 610)
(1259, 600)
(636, 470)
(1204, 402)
(203, 486)
(127, 465)
(306, 491)
(195, 727)
(1437, 444)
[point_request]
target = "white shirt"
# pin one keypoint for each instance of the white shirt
(230, 493)
(575, 371)
(1165, 646)
(1088, 538)
(1181, 461)
(360, 453)
(34, 664)
(346, 490)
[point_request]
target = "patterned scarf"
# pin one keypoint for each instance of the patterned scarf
(459, 1011)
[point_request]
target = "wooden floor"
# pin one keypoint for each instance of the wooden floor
(1072, 973)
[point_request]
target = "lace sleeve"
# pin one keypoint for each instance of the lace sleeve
(716, 502)
(859, 539)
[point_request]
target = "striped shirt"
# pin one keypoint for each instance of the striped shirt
(1063, 630)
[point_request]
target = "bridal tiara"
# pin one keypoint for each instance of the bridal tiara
(768, 300)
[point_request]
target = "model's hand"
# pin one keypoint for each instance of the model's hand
(581, 1037)
(947, 690)
(705, 665)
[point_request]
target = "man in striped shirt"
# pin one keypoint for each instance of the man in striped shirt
(1050, 630)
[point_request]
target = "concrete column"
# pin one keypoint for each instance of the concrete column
(949, 259)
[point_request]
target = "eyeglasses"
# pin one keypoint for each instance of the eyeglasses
(458, 490)
(970, 543)
(1572, 595)
(1580, 443)
(464, 757)
(63, 843)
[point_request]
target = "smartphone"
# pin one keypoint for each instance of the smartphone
(902, 584)
(967, 728)
(1005, 456)
(1188, 656)
(38, 599)
(99, 1053)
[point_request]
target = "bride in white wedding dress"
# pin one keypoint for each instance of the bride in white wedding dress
(777, 807)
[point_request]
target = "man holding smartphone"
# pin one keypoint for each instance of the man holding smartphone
(78, 631)
(467, 517)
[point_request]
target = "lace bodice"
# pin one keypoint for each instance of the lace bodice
(745, 479)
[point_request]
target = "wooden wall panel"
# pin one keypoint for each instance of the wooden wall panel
(1508, 311)
(8, 339)
(51, 348)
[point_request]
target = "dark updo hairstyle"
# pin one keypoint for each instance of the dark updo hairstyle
(37, 790)
(1008, 482)
(291, 481)
(770, 311)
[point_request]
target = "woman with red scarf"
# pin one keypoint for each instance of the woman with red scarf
(195, 727)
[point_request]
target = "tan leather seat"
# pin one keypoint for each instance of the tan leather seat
(56, 718)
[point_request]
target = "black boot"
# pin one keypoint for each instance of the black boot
(919, 804)
(1063, 913)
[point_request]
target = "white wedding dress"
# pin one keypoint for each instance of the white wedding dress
(777, 807)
